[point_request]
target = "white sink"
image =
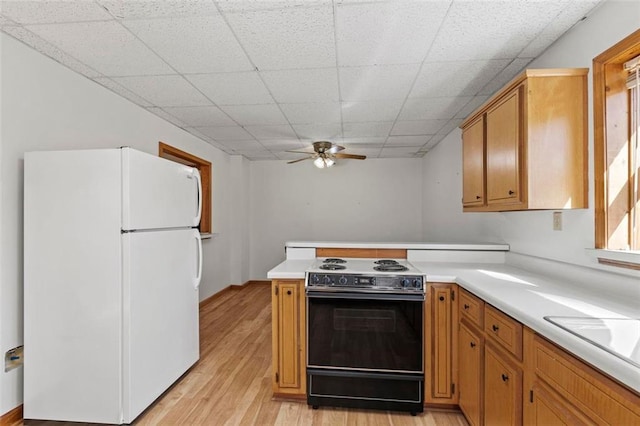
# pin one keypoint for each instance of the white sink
(618, 336)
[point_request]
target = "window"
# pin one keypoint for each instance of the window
(182, 157)
(616, 127)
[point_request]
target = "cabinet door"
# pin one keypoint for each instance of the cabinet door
(441, 342)
(550, 409)
(503, 388)
(473, 163)
(288, 337)
(470, 369)
(503, 150)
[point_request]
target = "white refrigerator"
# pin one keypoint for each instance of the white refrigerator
(112, 265)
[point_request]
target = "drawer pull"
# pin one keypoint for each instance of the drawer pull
(495, 327)
(505, 377)
(511, 192)
(466, 307)
(473, 345)
(478, 197)
(289, 292)
(441, 298)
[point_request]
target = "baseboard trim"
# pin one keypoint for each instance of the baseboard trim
(231, 287)
(12, 416)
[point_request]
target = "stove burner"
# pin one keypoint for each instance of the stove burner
(332, 266)
(390, 267)
(334, 260)
(386, 262)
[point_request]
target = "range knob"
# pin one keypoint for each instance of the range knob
(315, 279)
(343, 280)
(417, 283)
(326, 279)
(405, 282)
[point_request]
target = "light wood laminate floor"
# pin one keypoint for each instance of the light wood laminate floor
(231, 384)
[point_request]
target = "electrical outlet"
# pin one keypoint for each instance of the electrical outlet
(13, 358)
(557, 221)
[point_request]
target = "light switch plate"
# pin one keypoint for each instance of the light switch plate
(557, 221)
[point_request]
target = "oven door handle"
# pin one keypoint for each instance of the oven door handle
(365, 296)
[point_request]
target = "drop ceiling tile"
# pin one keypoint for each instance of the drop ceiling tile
(226, 133)
(432, 108)
(303, 86)
(283, 144)
(238, 88)
(167, 117)
(491, 30)
(259, 155)
(513, 69)
(200, 116)
(287, 38)
(272, 132)
(386, 110)
(417, 127)
(455, 78)
(49, 50)
(573, 13)
(306, 113)
(106, 47)
(376, 82)
(254, 5)
(49, 12)
(246, 115)
(473, 104)
(239, 145)
(327, 131)
(127, 9)
(197, 133)
(378, 33)
(365, 142)
(394, 141)
(372, 128)
(193, 45)
(122, 91)
(164, 90)
(399, 152)
(4, 22)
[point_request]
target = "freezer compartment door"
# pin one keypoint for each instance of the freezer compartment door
(161, 270)
(158, 193)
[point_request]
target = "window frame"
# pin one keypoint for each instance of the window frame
(204, 167)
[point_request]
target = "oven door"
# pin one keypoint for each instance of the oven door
(366, 332)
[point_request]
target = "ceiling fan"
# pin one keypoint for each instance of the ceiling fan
(325, 153)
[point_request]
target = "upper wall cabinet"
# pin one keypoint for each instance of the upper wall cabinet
(526, 147)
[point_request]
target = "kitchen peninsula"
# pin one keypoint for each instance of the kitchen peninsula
(494, 322)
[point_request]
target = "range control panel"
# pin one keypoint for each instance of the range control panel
(373, 282)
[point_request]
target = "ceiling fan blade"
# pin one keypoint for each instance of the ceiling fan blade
(334, 149)
(352, 156)
(302, 152)
(299, 159)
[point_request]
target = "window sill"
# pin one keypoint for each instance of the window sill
(617, 258)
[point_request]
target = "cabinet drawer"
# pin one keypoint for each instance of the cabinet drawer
(471, 308)
(600, 398)
(504, 330)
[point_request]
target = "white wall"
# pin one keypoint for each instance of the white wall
(371, 200)
(531, 232)
(47, 106)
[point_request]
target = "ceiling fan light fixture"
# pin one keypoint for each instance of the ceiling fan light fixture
(322, 162)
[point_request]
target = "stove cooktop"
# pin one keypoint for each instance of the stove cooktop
(369, 275)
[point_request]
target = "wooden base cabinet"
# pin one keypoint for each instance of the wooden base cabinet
(502, 388)
(471, 373)
(288, 338)
(441, 342)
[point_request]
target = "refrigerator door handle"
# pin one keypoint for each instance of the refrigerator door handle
(196, 174)
(196, 281)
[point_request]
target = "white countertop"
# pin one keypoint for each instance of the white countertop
(528, 297)
(400, 245)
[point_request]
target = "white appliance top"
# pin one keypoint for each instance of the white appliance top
(362, 266)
